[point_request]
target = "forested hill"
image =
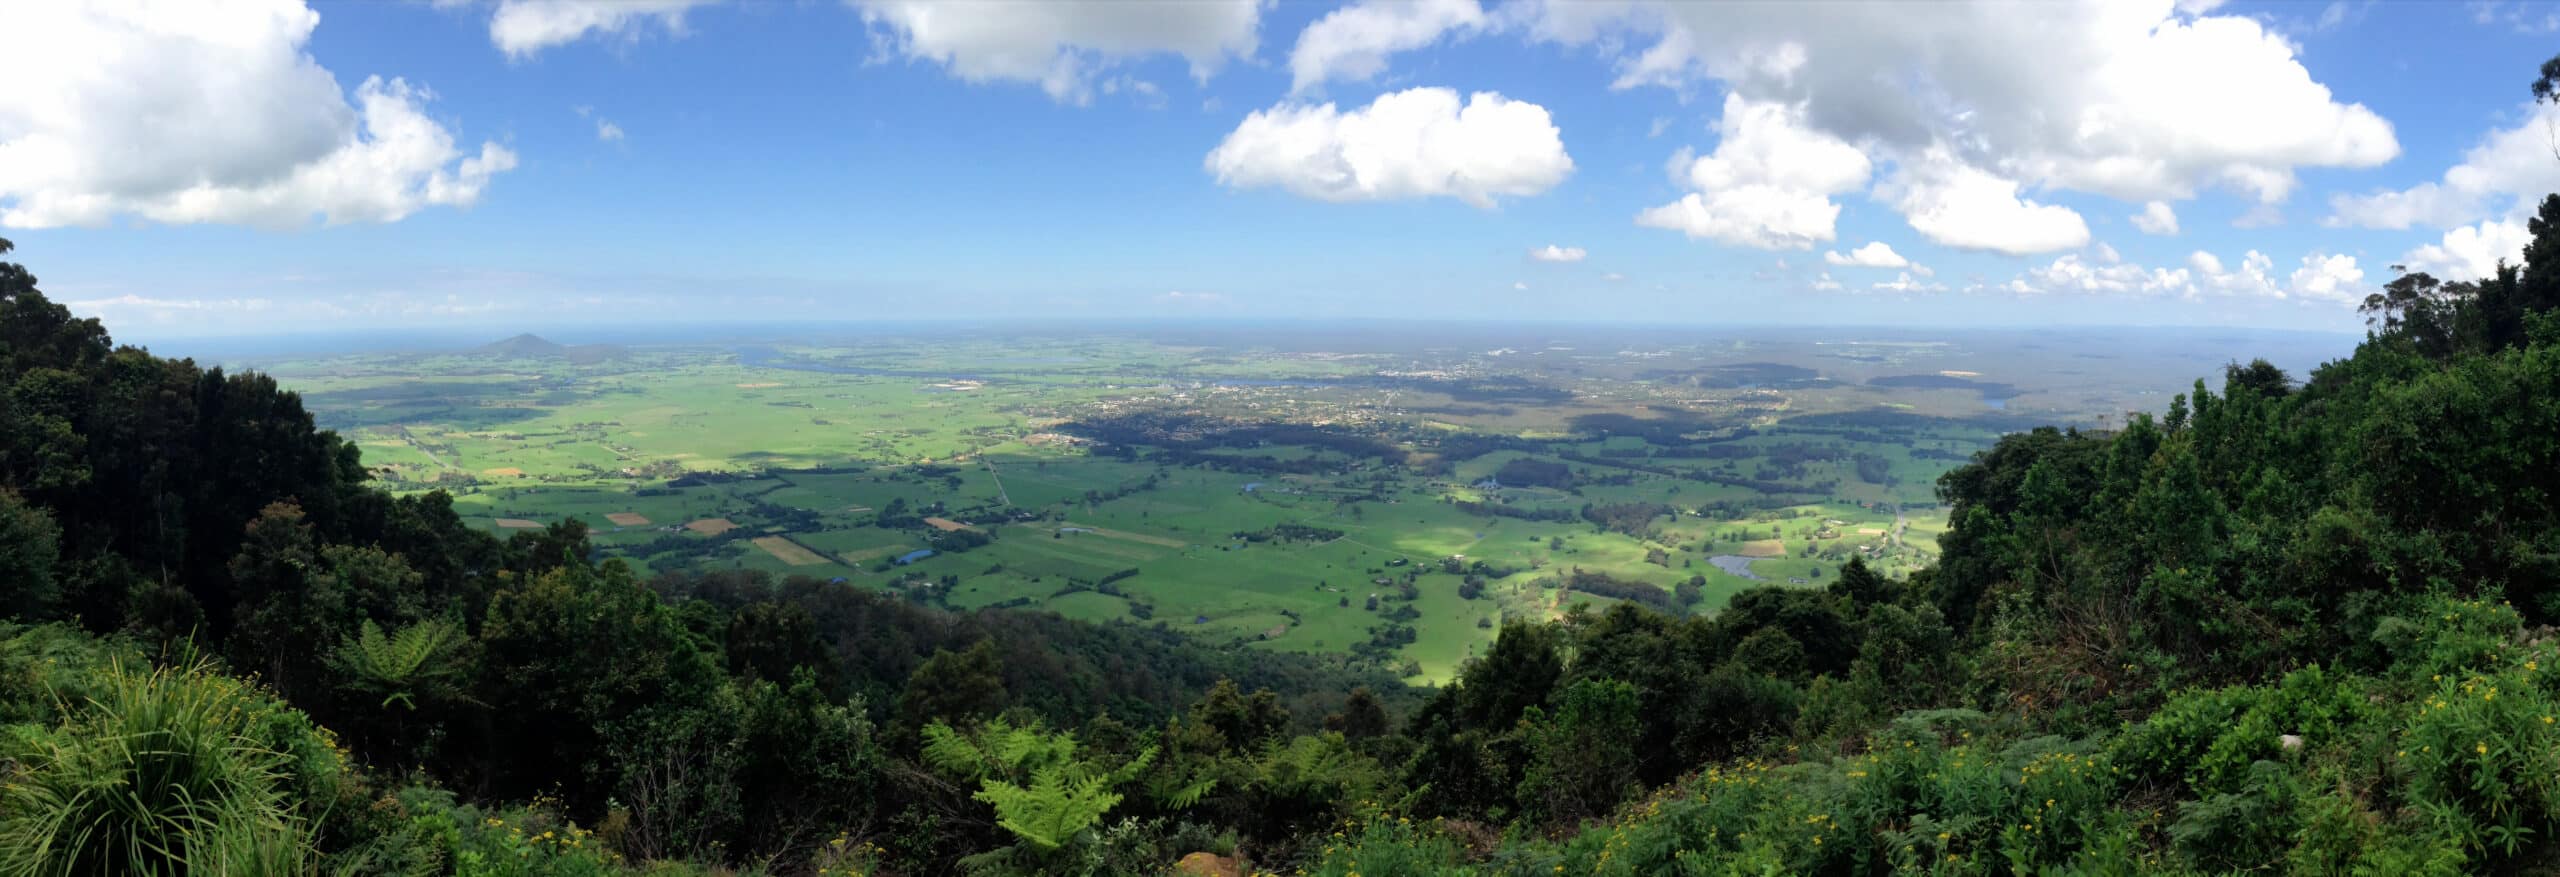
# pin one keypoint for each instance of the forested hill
(2298, 625)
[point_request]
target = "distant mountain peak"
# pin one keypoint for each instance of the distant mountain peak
(526, 344)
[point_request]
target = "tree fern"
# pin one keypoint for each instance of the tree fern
(421, 660)
(1063, 799)
(1041, 790)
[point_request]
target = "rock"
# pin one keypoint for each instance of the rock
(1209, 865)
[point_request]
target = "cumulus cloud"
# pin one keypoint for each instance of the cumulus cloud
(2500, 175)
(210, 112)
(2135, 100)
(1962, 206)
(1768, 184)
(1876, 254)
(2139, 100)
(2321, 277)
(1352, 43)
(2156, 218)
(523, 28)
(1417, 143)
(1824, 283)
(1553, 253)
(1060, 45)
(2472, 251)
(2254, 277)
(2109, 275)
(2329, 278)
(608, 132)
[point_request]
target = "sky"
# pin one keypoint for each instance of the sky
(251, 167)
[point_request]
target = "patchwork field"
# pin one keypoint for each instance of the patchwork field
(1389, 499)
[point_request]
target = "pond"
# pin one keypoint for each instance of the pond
(1737, 565)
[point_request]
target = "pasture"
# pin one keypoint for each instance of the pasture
(1118, 480)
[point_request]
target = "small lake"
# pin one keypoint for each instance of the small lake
(1736, 564)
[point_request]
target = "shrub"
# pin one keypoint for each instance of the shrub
(175, 771)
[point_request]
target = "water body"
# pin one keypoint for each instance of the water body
(1737, 565)
(757, 356)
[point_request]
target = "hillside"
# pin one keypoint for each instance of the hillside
(2283, 624)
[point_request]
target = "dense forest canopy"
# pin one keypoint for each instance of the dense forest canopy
(2297, 625)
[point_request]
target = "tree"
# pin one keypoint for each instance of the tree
(954, 686)
(576, 664)
(30, 544)
(1583, 758)
(1242, 722)
(1361, 718)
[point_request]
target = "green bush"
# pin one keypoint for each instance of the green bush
(174, 771)
(2482, 756)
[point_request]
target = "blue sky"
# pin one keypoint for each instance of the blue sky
(252, 166)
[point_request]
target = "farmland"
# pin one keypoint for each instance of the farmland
(1386, 498)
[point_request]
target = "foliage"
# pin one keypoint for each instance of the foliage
(170, 771)
(423, 660)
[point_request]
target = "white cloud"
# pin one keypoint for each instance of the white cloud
(2522, 17)
(1876, 254)
(1060, 45)
(1553, 253)
(2134, 100)
(522, 28)
(1825, 283)
(1194, 299)
(2471, 252)
(1904, 283)
(2110, 275)
(1417, 143)
(1613, 277)
(2321, 277)
(608, 132)
(1958, 205)
(1768, 184)
(2328, 277)
(1352, 43)
(162, 309)
(2502, 174)
(1520, 285)
(2156, 218)
(2255, 277)
(210, 112)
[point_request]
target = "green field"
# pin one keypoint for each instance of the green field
(1119, 479)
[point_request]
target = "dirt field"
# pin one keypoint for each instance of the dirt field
(508, 471)
(790, 552)
(946, 524)
(627, 519)
(1764, 548)
(712, 526)
(519, 524)
(1132, 537)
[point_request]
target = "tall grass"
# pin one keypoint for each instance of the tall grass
(159, 772)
